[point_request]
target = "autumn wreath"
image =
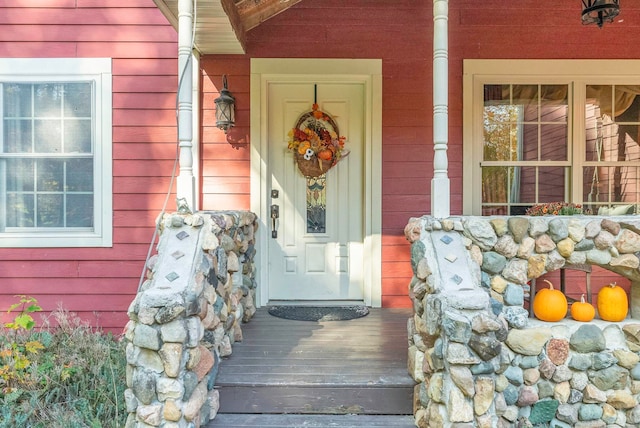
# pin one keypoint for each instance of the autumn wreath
(315, 143)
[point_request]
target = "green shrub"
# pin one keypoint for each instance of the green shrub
(17, 347)
(62, 374)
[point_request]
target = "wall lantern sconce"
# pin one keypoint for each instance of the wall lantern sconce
(225, 108)
(599, 11)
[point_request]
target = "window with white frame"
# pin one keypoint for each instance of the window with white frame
(55, 152)
(539, 132)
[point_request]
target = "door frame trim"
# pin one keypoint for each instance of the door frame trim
(366, 71)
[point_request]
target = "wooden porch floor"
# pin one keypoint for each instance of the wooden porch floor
(315, 374)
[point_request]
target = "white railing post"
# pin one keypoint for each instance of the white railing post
(440, 188)
(185, 181)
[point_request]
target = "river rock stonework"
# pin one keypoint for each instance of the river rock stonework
(199, 288)
(477, 357)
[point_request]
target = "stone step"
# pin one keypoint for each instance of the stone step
(317, 399)
(310, 421)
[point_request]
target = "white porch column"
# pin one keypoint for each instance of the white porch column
(186, 184)
(440, 192)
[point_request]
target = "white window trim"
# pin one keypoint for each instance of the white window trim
(63, 69)
(573, 72)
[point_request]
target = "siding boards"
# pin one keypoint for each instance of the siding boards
(392, 301)
(145, 101)
(51, 255)
(100, 283)
(70, 268)
(135, 117)
(142, 67)
(134, 235)
(227, 185)
(128, 49)
(158, 151)
(150, 84)
(38, 269)
(224, 151)
(122, 4)
(135, 202)
(407, 186)
(396, 269)
(61, 16)
(225, 168)
(104, 311)
(221, 201)
(161, 134)
(397, 287)
(83, 33)
(141, 219)
(62, 286)
(140, 184)
(225, 158)
(69, 4)
(144, 168)
(34, 49)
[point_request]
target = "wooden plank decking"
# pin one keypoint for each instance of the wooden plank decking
(311, 421)
(346, 370)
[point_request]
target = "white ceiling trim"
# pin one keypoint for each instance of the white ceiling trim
(214, 32)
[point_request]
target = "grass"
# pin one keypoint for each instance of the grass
(61, 374)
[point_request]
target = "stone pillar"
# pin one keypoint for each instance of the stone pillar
(480, 361)
(199, 289)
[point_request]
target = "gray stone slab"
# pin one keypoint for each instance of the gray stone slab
(453, 261)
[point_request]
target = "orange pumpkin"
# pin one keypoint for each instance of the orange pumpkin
(550, 304)
(613, 304)
(325, 154)
(582, 311)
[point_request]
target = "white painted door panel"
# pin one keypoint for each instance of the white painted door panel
(305, 265)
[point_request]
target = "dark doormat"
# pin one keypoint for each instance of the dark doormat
(318, 313)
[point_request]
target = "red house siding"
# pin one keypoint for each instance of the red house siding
(401, 34)
(100, 283)
(225, 158)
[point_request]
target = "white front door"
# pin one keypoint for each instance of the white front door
(316, 247)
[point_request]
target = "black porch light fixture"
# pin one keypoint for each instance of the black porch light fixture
(599, 11)
(225, 108)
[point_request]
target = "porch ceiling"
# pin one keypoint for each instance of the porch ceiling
(221, 25)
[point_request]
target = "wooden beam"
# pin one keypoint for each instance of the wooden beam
(237, 23)
(255, 12)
